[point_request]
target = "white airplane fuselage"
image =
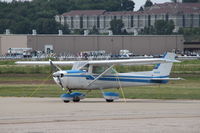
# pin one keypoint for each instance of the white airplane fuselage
(100, 74)
(77, 79)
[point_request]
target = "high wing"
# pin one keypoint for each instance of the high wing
(167, 58)
(101, 62)
(64, 63)
(105, 62)
(132, 61)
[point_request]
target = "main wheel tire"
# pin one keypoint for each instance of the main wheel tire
(109, 100)
(76, 99)
(65, 101)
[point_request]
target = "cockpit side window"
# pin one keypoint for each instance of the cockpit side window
(101, 69)
(85, 68)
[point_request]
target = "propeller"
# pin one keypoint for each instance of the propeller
(59, 76)
(56, 73)
(55, 70)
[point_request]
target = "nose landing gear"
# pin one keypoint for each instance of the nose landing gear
(74, 96)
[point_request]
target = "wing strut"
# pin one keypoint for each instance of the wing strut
(101, 75)
(120, 86)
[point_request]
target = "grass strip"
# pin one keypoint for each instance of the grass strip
(186, 89)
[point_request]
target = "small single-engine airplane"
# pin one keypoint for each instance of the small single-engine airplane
(100, 74)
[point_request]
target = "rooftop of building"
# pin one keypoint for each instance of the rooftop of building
(164, 8)
(84, 12)
(174, 8)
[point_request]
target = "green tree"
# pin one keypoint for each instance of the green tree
(148, 3)
(62, 6)
(141, 9)
(64, 28)
(94, 30)
(46, 26)
(148, 30)
(79, 31)
(116, 26)
(163, 27)
(128, 5)
(169, 27)
(22, 27)
(4, 24)
(190, 34)
(109, 5)
(22, 17)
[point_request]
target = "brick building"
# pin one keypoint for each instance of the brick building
(73, 44)
(183, 15)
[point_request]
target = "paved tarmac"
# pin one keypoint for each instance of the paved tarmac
(51, 115)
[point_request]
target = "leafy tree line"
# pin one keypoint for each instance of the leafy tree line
(161, 27)
(190, 34)
(22, 17)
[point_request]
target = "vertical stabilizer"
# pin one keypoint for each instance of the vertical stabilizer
(164, 69)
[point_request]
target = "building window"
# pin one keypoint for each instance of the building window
(166, 17)
(138, 17)
(87, 21)
(104, 21)
(98, 23)
(149, 20)
(81, 22)
(183, 20)
(132, 21)
(72, 22)
(191, 16)
(155, 17)
(199, 20)
(163, 17)
(115, 17)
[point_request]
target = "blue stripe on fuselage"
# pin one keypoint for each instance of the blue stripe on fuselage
(120, 76)
(75, 71)
(144, 79)
(134, 80)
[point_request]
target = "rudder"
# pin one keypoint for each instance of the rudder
(164, 69)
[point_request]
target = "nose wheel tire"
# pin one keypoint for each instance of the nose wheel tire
(65, 101)
(109, 100)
